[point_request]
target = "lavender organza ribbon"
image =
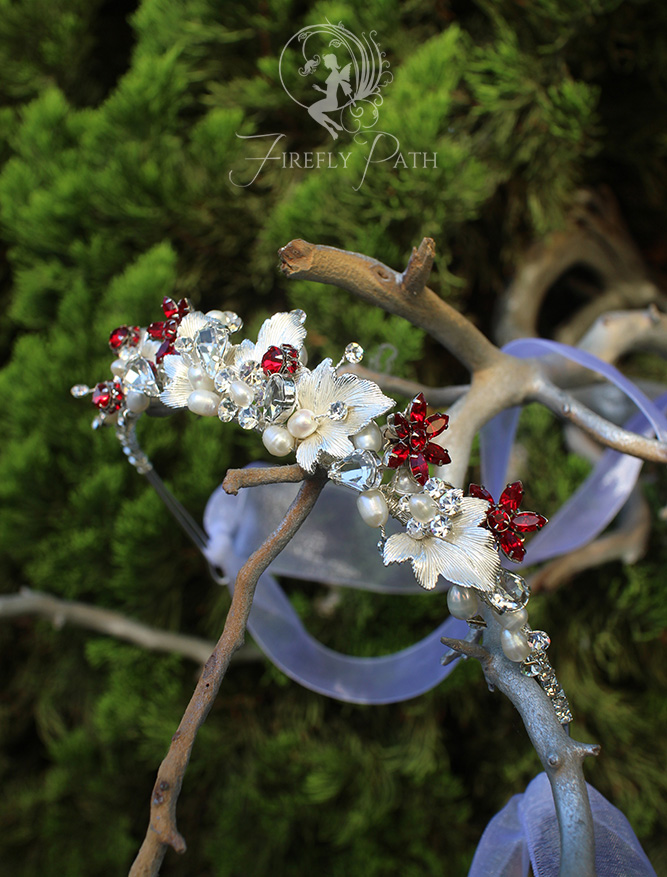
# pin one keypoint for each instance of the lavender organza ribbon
(525, 833)
(335, 547)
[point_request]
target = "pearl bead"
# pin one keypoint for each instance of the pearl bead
(241, 393)
(462, 602)
(515, 645)
(302, 423)
(198, 378)
(118, 368)
(203, 402)
(369, 438)
(372, 508)
(423, 508)
(404, 483)
(513, 620)
(303, 356)
(277, 440)
(137, 402)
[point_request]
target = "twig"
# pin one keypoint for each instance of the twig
(419, 267)
(162, 831)
(561, 757)
(236, 479)
(105, 621)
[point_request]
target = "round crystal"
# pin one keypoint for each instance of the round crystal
(435, 487)
(354, 352)
(226, 410)
(248, 418)
(530, 668)
(184, 345)
(79, 390)
(415, 529)
(299, 314)
(404, 505)
(539, 640)
(251, 372)
(223, 380)
(440, 526)
(450, 501)
(232, 321)
(338, 411)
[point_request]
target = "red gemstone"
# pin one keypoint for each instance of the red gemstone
(135, 336)
(184, 307)
(272, 361)
(398, 455)
(436, 455)
(401, 426)
(498, 519)
(156, 330)
(479, 492)
(435, 424)
(417, 411)
(419, 468)
(170, 329)
(165, 349)
(418, 440)
(169, 307)
(118, 336)
(510, 498)
(512, 545)
(528, 522)
(101, 395)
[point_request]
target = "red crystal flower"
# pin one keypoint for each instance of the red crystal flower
(108, 396)
(280, 360)
(505, 520)
(413, 445)
(165, 330)
(124, 336)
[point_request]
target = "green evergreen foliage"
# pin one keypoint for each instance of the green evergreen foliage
(118, 130)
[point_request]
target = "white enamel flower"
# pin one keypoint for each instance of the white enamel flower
(466, 556)
(282, 328)
(181, 381)
(337, 406)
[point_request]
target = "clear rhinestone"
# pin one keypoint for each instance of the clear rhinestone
(211, 343)
(415, 529)
(299, 315)
(232, 321)
(79, 390)
(338, 411)
(140, 377)
(360, 470)
(226, 410)
(279, 398)
(435, 487)
(251, 372)
(354, 352)
(248, 418)
(539, 640)
(450, 501)
(530, 668)
(184, 345)
(403, 506)
(222, 381)
(511, 592)
(440, 526)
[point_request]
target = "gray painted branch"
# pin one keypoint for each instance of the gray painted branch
(561, 757)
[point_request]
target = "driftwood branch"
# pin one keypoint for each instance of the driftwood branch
(162, 831)
(62, 612)
(561, 757)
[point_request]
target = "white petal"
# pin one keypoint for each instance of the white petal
(398, 548)
(191, 324)
(177, 391)
(243, 352)
(472, 563)
(307, 452)
(333, 438)
(282, 328)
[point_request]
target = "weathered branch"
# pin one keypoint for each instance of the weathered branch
(419, 267)
(380, 285)
(561, 756)
(61, 612)
(162, 831)
(236, 479)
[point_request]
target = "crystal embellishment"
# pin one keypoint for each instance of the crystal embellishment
(279, 398)
(440, 526)
(360, 470)
(354, 352)
(79, 390)
(210, 343)
(511, 592)
(140, 378)
(338, 411)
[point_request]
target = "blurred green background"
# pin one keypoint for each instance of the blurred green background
(118, 125)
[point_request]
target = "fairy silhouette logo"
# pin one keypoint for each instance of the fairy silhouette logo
(348, 71)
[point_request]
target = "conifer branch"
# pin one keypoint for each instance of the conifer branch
(162, 831)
